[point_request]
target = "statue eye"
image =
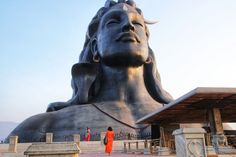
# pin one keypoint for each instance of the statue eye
(137, 23)
(112, 21)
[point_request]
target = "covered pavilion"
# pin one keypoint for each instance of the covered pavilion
(209, 106)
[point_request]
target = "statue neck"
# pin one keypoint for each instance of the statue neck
(123, 84)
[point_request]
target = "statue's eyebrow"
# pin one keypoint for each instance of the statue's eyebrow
(113, 14)
(116, 13)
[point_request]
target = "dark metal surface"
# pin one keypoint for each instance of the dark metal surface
(115, 82)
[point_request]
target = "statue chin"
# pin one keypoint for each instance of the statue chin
(124, 60)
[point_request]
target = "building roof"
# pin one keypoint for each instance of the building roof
(192, 107)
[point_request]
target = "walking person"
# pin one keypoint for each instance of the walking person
(87, 134)
(110, 137)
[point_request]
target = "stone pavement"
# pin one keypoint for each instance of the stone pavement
(116, 154)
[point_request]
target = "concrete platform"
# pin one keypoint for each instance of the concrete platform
(117, 154)
(88, 150)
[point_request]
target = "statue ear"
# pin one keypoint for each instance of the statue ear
(93, 47)
(94, 50)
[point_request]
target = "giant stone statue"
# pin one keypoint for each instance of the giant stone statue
(115, 82)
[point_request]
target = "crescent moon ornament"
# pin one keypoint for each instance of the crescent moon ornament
(150, 22)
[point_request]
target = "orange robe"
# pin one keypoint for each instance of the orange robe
(110, 137)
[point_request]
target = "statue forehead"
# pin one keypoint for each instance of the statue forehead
(123, 7)
(119, 9)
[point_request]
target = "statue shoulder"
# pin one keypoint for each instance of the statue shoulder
(32, 129)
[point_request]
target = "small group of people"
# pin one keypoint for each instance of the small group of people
(109, 135)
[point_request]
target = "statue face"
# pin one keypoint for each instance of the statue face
(121, 38)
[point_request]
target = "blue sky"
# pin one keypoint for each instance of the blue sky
(194, 43)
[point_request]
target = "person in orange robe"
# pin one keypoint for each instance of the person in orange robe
(110, 137)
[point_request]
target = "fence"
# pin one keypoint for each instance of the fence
(142, 146)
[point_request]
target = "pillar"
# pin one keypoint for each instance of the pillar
(217, 131)
(77, 139)
(190, 142)
(13, 144)
(49, 137)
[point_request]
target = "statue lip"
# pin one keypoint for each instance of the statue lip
(128, 37)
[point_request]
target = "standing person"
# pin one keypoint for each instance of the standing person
(87, 135)
(110, 137)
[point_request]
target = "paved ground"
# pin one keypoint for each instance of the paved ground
(115, 154)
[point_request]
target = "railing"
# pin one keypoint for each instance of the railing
(145, 146)
(118, 136)
(231, 140)
(227, 140)
(94, 137)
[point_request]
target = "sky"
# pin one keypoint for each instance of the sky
(194, 44)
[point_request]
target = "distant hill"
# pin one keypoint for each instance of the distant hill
(6, 128)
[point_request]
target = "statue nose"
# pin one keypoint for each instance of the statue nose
(128, 26)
